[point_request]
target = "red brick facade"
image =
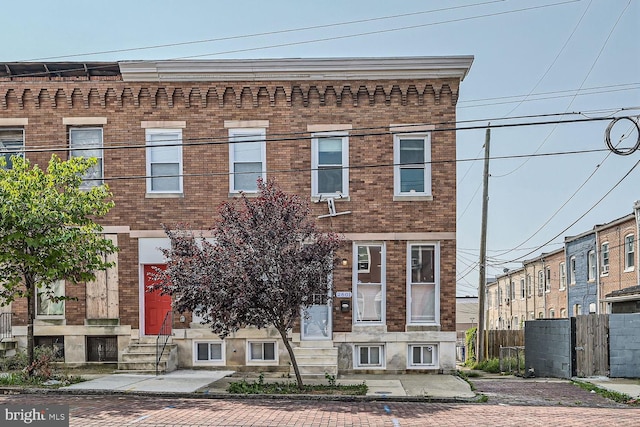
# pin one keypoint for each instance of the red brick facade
(369, 106)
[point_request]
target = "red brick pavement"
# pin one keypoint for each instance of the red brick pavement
(89, 411)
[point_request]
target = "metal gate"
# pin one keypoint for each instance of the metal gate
(592, 345)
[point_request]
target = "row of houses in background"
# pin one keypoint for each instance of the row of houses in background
(367, 140)
(594, 272)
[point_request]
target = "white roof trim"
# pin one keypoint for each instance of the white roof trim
(297, 69)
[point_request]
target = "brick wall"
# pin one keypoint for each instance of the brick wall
(289, 107)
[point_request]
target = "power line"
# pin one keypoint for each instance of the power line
(263, 34)
(593, 64)
(368, 33)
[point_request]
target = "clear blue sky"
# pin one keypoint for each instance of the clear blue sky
(568, 45)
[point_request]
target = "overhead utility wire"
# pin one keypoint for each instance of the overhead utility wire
(225, 141)
(581, 216)
(368, 33)
(593, 64)
(262, 34)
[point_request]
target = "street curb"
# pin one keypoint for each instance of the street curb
(227, 396)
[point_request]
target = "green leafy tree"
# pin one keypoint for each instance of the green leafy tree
(48, 232)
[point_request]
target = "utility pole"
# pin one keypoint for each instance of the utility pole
(482, 279)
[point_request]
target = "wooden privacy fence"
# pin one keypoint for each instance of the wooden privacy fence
(505, 338)
(592, 345)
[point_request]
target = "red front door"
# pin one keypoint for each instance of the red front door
(156, 306)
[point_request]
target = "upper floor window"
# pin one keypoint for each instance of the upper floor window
(572, 270)
(605, 258)
(529, 285)
(11, 144)
(540, 282)
(563, 275)
(412, 160)
(547, 283)
(247, 159)
(591, 266)
(87, 142)
(330, 164)
(629, 252)
(423, 293)
(164, 160)
(522, 289)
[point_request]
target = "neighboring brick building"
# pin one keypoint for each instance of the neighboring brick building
(176, 139)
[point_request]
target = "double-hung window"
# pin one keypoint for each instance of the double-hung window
(412, 165)
(11, 144)
(423, 277)
(87, 142)
(247, 159)
(48, 303)
(591, 266)
(604, 251)
(369, 282)
(572, 270)
(563, 276)
(330, 164)
(629, 252)
(522, 289)
(164, 160)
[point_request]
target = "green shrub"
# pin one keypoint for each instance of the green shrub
(470, 343)
(488, 365)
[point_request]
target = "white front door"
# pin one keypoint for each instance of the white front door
(316, 319)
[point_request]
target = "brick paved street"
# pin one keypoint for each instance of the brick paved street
(113, 410)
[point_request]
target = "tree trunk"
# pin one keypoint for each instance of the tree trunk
(287, 344)
(31, 299)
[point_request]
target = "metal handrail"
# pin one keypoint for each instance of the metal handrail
(5, 325)
(163, 337)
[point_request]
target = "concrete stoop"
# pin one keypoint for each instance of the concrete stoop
(316, 359)
(140, 357)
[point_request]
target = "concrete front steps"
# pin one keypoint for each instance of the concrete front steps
(315, 359)
(140, 357)
(8, 347)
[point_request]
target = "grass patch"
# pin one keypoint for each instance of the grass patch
(611, 395)
(465, 376)
(488, 365)
(260, 387)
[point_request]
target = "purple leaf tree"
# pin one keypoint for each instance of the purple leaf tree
(265, 261)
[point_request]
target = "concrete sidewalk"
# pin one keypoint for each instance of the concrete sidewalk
(630, 387)
(437, 387)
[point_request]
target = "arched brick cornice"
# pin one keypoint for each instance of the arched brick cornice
(241, 95)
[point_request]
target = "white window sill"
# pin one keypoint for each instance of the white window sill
(208, 363)
(262, 362)
(163, 195)
(604, 275)
(628, 270)
(425, 367)
(369, 367)
(411, 198)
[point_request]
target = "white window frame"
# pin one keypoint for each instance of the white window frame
(629, 252)
(592, 268)
(426, 166)
(523, 289)
(436, 274)
(547, 279)
(88, 182)
(604, 255)
(258, 135)
(381, 356)
(174, 142)
(4, 150)
(60, 285)
(540, 282)
(563, 275)
(315, 166)
(209, 361)
(572, 270)
(529, 285)
(411, 364)
(263, 361)
(383, 288)
(552, 313)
